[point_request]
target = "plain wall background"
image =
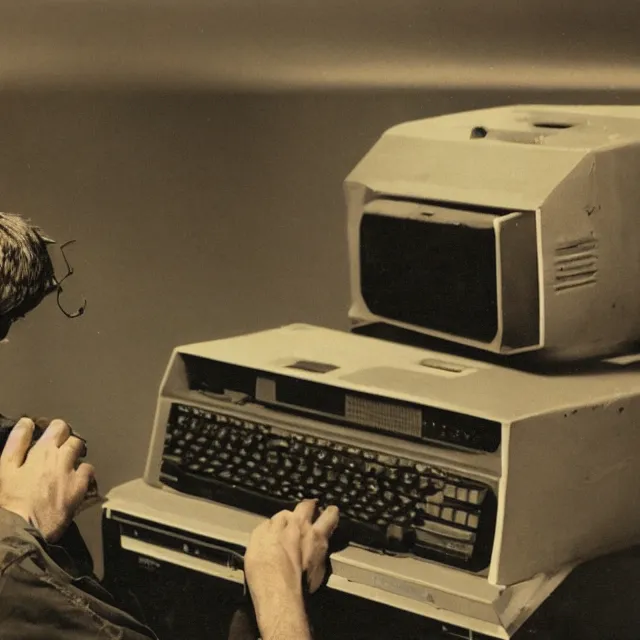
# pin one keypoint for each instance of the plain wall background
(573, 44)
(197, 215)
(196, 152)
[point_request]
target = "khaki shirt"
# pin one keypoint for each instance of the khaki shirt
(43, 595)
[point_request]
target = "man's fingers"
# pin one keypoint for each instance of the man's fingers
(327, 522)
(71, 451)
(280, 520)
(291, 539)
(57, 433)
(85, 475)
(305, 511)
(18, 443)
(315, 578)
(287, 526)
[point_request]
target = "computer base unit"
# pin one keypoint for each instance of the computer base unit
(175, 561)
(481, 469)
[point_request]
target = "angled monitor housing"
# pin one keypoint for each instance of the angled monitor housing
(511, 230)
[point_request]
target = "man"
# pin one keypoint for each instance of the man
(42, 594)
(26, 271)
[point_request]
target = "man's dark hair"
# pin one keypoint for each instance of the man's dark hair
(26, 271)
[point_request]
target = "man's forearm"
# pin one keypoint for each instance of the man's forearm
(282, 617)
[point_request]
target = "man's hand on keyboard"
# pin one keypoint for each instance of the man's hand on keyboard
(315, 540)
(279, 551)
(44, 485)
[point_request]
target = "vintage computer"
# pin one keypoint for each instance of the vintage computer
(468, 489)
(470, 486)
(511, 229)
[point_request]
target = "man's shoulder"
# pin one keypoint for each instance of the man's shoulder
(33, 586)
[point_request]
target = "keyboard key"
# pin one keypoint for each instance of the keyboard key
(441, 529)
(436, 498)
(460, 517)
(447, 514)
(433, 510)
(476, 496)
(450, 491)
(437, 541)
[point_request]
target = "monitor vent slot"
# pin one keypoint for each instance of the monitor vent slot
(576, 264)
(384, 416)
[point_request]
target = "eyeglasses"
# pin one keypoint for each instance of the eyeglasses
(57, 285)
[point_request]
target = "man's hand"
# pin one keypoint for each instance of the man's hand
(273, 571)
(273, 559)
(315, 540)
(279, 551)
(43, 485)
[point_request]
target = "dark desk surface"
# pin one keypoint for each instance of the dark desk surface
(600, 600)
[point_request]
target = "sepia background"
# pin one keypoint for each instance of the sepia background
(196, 152)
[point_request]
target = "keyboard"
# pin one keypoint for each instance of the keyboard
(387, 503)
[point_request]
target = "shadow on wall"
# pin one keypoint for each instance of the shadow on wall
(196, 215)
